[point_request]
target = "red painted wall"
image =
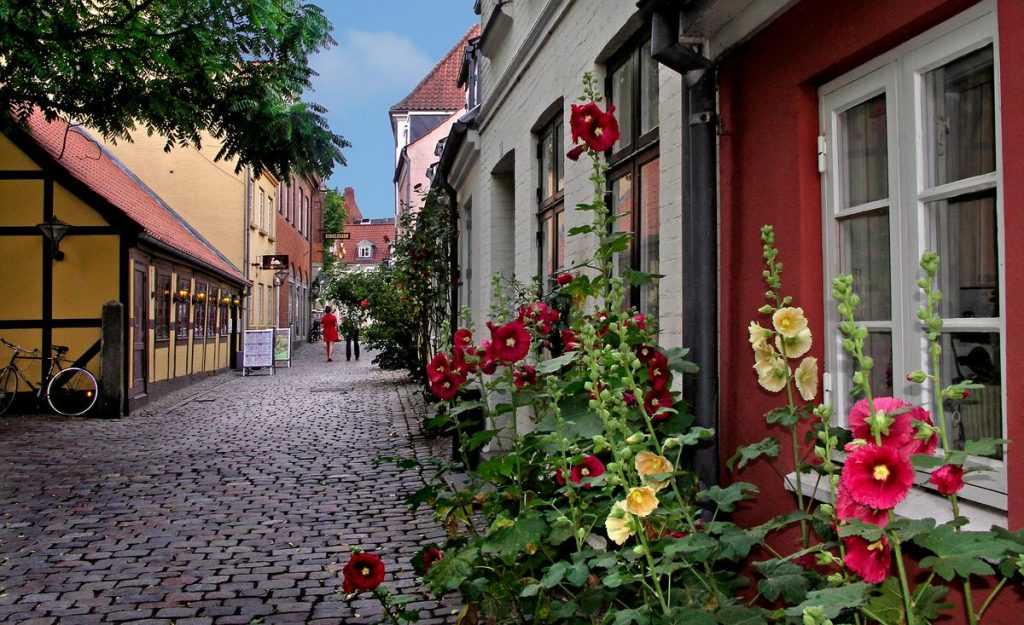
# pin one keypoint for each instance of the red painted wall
(768, 173)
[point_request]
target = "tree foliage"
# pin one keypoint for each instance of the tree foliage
(234, 68)
(335, 216)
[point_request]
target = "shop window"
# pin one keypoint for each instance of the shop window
(181, 312)
(551, 192)
(162, 307)
(634, 175)
(199, 312)
(913, 165)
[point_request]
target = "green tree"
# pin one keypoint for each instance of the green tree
(234, 68)
(335, 216)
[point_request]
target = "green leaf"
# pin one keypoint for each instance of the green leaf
(510, 541)
(690, 616)
(856, 527)
(614, 579)
(779, 522)
(640, 616)
(767, 447)
(963, 553)
(465, 406)
(530, 590)
(577, 575)
(554, 364)
(926, 462)
(738, 615)
(782, 579)
(695, 435)
(497, 468)
(677, 360)
(727, 498)
(448, 573)
(694, 547)
(887, 606)
(984, 446)
(575, 230)
(554, 574)
(907, 529)
(782, 416)
(834, 600)
(930, 605)
(479, 439)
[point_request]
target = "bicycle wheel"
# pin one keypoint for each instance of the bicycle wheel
(72, 392)
(8, 388)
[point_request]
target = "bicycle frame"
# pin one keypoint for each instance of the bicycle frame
(56, 366)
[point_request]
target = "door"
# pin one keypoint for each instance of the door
(140, 328)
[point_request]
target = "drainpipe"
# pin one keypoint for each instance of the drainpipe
(700, 220)
(247, 235)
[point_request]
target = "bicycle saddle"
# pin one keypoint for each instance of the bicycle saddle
(61, 349)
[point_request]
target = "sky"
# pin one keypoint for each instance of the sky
(384, 49)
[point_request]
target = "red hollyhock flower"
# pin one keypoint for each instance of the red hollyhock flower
(901, 431)
(655, 401)
(564, 279)
(658, 372)
(569, 340)
(460, 365)
(462, 338)
(646, 352)
(447, 386)
(438, 367)
(364, 304)
(878, 477)
(629, 398)
(847, 508)
(919, 417)
(365, 571)
(509, 342)
(577, 151)
(540, 315)
(524, 376)
(598, 129)
(591, 466)
(488, 364)
(640, 321)
(869, 560)
(430, 556)
(948, 479)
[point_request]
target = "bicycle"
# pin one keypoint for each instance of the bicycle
(69, 391)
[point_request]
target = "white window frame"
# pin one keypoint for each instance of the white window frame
(367, 247)
(900, 75)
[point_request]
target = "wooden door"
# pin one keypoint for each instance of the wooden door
(140, 328)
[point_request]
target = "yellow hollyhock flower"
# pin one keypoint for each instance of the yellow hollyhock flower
(796, 346)
(759, 336)
(641, 501)
(619, 524)
(806, 377)
(789, 321)
(772, 372)
(648, 464)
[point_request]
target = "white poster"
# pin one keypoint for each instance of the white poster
(258, 349)
(283, 347)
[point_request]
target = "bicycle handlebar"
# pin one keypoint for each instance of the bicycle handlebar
(17, 348)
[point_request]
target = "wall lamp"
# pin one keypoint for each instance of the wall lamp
(182, 295)
(54, 230)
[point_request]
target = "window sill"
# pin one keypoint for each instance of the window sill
(921, 503)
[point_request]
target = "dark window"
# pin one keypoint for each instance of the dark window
(199, 324)
(162, 308)
(634, 180)
(550, 192)
(181, 314)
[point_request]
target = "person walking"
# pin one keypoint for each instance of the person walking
(352, 339)
(329, 326)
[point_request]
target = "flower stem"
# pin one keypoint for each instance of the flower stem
(991, 597)
(904, 584)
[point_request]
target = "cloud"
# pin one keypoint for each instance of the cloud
(367, 65)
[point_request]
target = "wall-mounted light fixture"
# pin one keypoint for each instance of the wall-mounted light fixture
(225, 300)
(182, 295)
(54, 230)
(201, 296)
(238, 300)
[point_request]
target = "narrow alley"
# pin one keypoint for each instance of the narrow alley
(236, 500)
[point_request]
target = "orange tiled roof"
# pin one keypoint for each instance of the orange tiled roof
(382, 235)
(87, 161)
(439, 91)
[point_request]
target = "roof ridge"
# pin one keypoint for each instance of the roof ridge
(400, 106)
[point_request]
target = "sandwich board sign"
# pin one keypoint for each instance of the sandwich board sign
(283, 347)
(258, 350)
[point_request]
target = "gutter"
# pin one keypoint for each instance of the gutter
(192, 260)
(700, 217)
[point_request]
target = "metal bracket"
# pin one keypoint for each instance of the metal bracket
(703, 117)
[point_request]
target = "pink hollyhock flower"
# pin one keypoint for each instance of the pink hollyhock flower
(948, 479)
(658, 372)
(655, 401)
(564, 279)
(569, 340)
(462, 338)
(629, 398)
(640, 321)
(438, 367)
(920, 418)
(646, 352)
(869, 560)
(878, 477)
(509, 342)
(447, 386)
(901, 431)
(524, 376)
(590, 467)
(847, 508)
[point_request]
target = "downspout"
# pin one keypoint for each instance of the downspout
(247, 269)
(699, 222)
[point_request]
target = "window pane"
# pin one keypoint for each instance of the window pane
(863, 152)
(648, 90)
(960, 108)
(649, 228)
(964, 232)
(559, 156)
(545, 249)
(622, 209)
(560, 240)
(622, 98)
(878, 345)
(547, 160)
(864, 253)
(973, 356)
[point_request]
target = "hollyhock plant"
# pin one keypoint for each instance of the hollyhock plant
(510, 342)
(870, 560)
(570, 341)
(900, 431)
(438, 367)
(463, 338)
(430, 556)
(524, 375)
(877, 476)
(640, 321)
(655, 402)
(590, 467)
(564, 279)
(948, 479)
(847, 508)
(446, 387)
(646, 353)
(598, 129)
(364, 571)
(658, 372)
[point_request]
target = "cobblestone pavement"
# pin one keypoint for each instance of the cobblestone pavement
(233, 501)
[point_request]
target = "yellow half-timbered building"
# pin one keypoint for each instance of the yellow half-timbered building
(181, 297)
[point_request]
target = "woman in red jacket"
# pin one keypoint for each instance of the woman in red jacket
(329, 324)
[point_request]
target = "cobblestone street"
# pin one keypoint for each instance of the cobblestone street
(235, 500)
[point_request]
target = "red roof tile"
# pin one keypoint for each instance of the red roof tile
(382, 236)
(439, 91)
(84, 159)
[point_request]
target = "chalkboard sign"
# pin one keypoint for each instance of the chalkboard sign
(258, 350)
(283, 347)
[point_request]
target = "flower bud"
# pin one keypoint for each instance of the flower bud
(917, 377)
(764, 310)
(671, 443)
(634, 438)
(626, 453)
(640, 550)
(612, 467)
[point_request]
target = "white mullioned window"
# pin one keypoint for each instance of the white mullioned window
(365, 249)
(912, 163)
